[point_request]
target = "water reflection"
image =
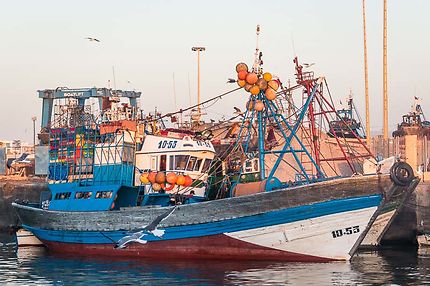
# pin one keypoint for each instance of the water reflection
(37, 267)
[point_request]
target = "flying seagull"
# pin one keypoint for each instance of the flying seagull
(308, 65)
(149, 229)
(92, 39)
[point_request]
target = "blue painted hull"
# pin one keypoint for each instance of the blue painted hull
(207, 229)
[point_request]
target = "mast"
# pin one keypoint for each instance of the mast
(257, 69)
(385, 130)
(366, 77)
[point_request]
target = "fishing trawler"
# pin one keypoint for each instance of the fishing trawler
(122, 191)
(348, 123)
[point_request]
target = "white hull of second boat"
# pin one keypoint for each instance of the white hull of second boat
(26, 238)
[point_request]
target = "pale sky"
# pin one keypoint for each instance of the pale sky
(43, 46)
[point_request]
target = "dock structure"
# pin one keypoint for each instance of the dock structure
(81, 95)
(410, 142)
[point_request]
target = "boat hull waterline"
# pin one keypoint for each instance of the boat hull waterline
(317, 222)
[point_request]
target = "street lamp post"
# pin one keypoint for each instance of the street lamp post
(34, 133)
(198, 50)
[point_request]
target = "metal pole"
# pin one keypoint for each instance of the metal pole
(366, 77)
(261, 141)
(198, 80)
(198, 50)
(385, 131)
(34, 133)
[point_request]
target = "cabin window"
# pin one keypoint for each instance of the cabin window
(248, 166)
(154, 162)
(181, 161)
(255, 164)
(83, 195)
(198, 164)
(104, 195)
(206, 165)
(191, 163)
(171, 162)
(163, 162)
(63, 196)
(251, 166)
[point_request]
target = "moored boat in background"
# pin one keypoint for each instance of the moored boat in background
(26, 238)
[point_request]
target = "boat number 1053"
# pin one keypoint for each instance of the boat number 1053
(345, 231)
(167, 144)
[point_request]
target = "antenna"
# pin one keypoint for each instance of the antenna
(294, 46)
(189, 88)
(114, 79)
(174, 90)
(256, 67)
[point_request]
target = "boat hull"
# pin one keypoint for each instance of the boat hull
(286, 241)
(25, 238)
(318, 222)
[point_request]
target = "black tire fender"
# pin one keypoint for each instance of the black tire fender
(401, 173)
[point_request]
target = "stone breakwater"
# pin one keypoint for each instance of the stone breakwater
(17, 188)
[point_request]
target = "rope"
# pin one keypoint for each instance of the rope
(191, 107)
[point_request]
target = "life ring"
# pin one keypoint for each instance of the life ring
(401, 173)
(169, 188)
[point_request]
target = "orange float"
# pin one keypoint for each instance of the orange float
(259, 105)
(151, 177)
(251, 78)
(241, 83)
(160, 178)
(242, 75)
(171, 178)
(247, 86)
(144, 178)
(267, 76)
(188, 181)
(180, 180)
(156, 187)
(270, 94)
(261, 83)
(241, 67)
(254, 90)
(273, 84)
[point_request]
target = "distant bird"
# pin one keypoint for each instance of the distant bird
(237, 109)
(92, 39)
(149, 229)
(231, 80)
(308, 65)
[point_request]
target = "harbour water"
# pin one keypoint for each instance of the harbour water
(35, 266)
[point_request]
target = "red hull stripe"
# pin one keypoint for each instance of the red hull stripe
(210, 247)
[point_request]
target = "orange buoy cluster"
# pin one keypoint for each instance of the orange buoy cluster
(256, 83)
(161, 181)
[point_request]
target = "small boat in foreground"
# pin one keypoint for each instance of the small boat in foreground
(25, 238)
